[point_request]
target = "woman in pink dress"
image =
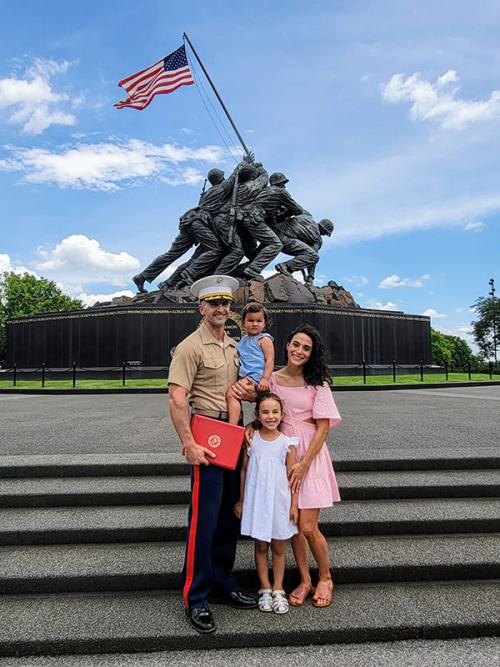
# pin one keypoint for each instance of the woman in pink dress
(310, 411)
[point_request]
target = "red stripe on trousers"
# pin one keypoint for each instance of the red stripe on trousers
(192, 534)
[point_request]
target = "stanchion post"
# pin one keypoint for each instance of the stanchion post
(74, 374)
(468, 370)
(394, 370)
(446, 370)
(43, 374)
(490, 365)
(14, 376)
(123, 373)
(364, 371)
(421, 370)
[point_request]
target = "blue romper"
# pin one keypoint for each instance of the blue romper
(252, 360)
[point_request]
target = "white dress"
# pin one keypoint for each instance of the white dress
(267, 499)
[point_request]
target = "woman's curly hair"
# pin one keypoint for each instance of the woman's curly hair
(315, 369)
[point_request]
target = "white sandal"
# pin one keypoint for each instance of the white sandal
(265, 599)
(279, 603)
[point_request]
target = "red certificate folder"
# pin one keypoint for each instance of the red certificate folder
(224, 439)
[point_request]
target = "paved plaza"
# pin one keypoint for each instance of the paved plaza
(458, 421)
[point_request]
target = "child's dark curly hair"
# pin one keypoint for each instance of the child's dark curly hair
(315, 369)
(263, 396)
(254, 307)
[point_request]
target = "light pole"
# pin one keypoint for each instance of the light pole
(492, 294)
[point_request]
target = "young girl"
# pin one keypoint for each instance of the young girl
(267, 509)
(256, 353)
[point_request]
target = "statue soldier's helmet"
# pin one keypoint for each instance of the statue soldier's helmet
(215, 176)
(326, 226)
(278, 178)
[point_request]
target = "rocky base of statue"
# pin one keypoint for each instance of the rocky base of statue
(276, 289)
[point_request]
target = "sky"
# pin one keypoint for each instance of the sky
(385, 117)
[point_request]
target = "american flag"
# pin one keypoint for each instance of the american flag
(164, 76)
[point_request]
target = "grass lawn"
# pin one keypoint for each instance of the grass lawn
(338, 380)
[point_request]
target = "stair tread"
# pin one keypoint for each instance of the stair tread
(178, 483)
(155, 620)
(19, 519)
(87, 560)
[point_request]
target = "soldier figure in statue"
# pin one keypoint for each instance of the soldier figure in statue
(301, 238)
(239, 215)
(195, 228)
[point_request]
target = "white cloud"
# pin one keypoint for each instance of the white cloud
(33, 102)
(395, 281)
(79, 260)
(431, 312)
(356, 281)
(6, 265)
(474, 226)
(465, 309)
(91, 299)
(438, 102)
(107, 165)
(378, 305)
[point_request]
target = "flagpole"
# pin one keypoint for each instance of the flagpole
(217, 94)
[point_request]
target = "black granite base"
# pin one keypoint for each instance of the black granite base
(145, 335)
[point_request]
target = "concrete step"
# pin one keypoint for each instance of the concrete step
(93, 465)
(154, 621)
(129, 523)
(157, 565)
(147, 489)
(474, 652)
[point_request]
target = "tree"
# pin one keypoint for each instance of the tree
(487, 327)
(462, 354)
(442, 348)
(451, 350)
(27, 295)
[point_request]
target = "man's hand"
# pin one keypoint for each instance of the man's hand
(249, 431)
(250, 158)
(197, 455)
(244, 390)
(238, 508)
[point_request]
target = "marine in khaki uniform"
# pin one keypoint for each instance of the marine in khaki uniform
(204, 366)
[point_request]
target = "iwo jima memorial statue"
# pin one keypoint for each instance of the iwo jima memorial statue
(239, 227)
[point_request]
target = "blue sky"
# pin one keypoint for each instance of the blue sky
(384, 116)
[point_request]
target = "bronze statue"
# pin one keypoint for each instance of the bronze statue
(301, 238)
(236, 217)
(195, 228)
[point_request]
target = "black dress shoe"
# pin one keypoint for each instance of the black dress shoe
(201, 619)
(236, 599)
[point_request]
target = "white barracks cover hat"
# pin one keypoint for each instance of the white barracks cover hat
(212, 288)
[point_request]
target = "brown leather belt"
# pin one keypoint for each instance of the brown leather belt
(211, 413)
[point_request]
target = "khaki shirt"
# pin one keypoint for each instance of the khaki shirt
(205, 368)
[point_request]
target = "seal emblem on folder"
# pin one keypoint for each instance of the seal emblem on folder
(214, 441)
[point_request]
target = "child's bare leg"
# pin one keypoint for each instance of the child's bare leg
(261, 563)
(233, 407)
(278, 551)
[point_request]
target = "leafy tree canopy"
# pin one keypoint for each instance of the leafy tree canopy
(453, 350)
(27, 295)
(487, 326)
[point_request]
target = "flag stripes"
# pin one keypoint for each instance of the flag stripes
(164, 76)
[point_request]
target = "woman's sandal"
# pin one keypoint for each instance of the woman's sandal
(324, 591)
(280, 603)
(265, 599)
(300, 594)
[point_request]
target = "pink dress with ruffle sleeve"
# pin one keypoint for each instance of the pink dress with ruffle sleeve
(319, 487)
